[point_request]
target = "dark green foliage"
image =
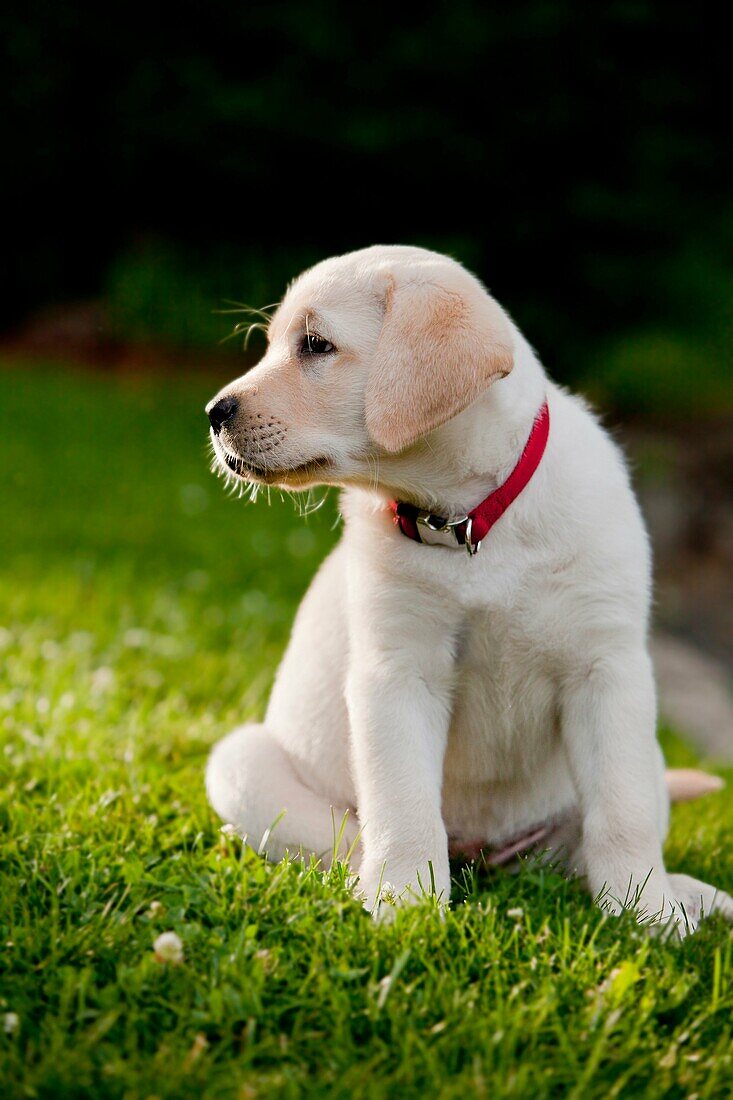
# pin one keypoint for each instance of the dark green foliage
(576, 156)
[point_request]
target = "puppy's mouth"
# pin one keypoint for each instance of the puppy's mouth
(248, 470)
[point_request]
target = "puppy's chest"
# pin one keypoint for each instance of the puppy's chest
(505, 704)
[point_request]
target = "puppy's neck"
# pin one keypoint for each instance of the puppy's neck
(459, 464)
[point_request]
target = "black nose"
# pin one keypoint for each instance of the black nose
(222, 412)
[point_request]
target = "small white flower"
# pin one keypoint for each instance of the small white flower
(103, 679)
(387, 893)
(384, 986)
(168, 948)
(11, 1023)
(107, 799)
(227, 830)
(516, 914)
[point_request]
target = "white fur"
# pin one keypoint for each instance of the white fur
(429, 695)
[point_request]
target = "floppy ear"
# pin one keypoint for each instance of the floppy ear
(438, 350)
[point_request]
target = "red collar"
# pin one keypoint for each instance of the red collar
(468, 531)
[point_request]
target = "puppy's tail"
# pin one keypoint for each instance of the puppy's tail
(685, 784)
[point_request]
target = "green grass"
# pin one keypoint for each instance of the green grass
(143, 612)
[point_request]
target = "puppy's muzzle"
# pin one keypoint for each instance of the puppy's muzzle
(222, 412)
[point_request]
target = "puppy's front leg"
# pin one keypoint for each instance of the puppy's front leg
(608, 726)
(399, 694)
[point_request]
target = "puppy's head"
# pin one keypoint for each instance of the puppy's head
(367, 354)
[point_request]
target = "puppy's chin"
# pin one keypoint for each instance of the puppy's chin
(304, 475)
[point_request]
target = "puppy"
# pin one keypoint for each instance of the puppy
(469, 668)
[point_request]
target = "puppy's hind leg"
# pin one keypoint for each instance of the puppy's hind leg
(252, 784)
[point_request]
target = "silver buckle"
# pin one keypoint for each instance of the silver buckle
(444, 534)
(472, 550)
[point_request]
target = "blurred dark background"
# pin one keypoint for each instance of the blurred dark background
(162, 161)
(576, 156)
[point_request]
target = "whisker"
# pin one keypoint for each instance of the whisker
(247, 327)
(312, 506)
(242, 307)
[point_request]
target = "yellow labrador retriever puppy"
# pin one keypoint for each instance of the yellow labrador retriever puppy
(469, 668)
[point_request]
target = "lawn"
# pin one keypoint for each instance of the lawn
(142, 615)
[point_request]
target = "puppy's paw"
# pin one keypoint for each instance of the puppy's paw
(699, 899)
(386, 887)
(671, 905)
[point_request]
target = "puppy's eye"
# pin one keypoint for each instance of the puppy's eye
(313, 344)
